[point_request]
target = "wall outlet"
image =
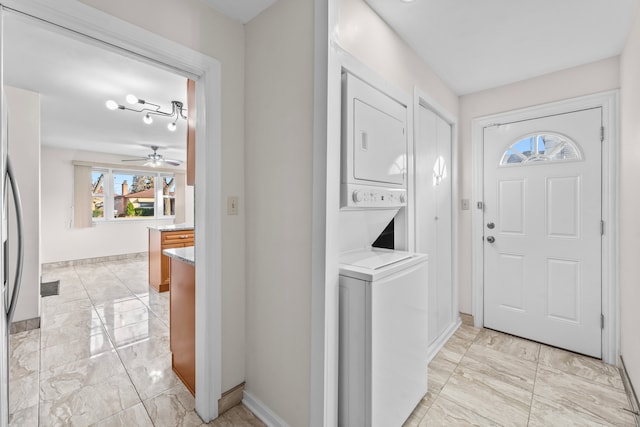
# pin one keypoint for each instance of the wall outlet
(464, 204)
(232, 205)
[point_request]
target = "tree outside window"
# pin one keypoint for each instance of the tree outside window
(97, 193)
(168, 195)
(134, 195)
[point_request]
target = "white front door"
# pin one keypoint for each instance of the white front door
(542, 230)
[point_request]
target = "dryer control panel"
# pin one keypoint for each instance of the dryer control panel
(361, 196)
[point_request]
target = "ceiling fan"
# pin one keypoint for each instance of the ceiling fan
(154, 159)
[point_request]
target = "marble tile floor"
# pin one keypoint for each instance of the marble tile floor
(101, 356)
(486, 378)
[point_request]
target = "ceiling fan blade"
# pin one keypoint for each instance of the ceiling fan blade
(173, 162)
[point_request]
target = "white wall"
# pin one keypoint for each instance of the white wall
(363, 34)
(591, 78)
(63, 242)
(199, 27)
(279, 137)
(24, 153)
(630, 204)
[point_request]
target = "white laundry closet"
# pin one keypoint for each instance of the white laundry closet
(433, 176)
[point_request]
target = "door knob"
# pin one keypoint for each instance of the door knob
(491, 239)
(491, 226)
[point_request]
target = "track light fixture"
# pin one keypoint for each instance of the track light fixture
(149, 109)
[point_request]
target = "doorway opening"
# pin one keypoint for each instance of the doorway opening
(106, 30)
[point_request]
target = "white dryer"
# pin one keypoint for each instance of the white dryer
(383, 336)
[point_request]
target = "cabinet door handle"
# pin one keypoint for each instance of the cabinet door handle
(185, 236)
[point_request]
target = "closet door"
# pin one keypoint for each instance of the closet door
(434, 216)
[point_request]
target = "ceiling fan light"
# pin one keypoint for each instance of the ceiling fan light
(147, 119)
(112, 105)
(171, 126)
(132, 99)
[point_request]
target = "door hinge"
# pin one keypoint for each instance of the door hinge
(480, 205)
(602, 227)
(602, 321)
(601, 133)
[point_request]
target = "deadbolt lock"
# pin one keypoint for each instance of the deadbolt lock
(491, 226)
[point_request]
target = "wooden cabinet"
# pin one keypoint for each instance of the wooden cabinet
(159, 240)
(183, 322)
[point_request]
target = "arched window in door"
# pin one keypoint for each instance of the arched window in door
(541, 147)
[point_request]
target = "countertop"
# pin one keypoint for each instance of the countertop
(171, 227)
(186, 254)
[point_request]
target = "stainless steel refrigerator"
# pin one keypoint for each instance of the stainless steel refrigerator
(10, 285)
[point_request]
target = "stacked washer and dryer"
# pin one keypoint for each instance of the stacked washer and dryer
(383, 293)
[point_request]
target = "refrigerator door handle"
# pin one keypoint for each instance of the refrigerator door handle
(18, 277)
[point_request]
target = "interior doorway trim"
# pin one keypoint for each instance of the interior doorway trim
(608, 101)
(123, 37)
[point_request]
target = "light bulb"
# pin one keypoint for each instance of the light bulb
(112, 105)
(147, 119)
(132, 99)
(171, 126)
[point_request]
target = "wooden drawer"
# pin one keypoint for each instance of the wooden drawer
(185, 237)
(158, 262)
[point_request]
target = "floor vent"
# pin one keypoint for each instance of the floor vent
(50, 288)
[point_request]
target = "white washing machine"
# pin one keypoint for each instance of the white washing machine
(383, 336)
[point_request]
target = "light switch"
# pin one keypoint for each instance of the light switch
(232, 205)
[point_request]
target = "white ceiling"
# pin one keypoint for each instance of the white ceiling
(241, 10)
(473, 45)
(479, 44)
(76, 77)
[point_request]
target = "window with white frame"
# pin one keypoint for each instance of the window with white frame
(121, 194)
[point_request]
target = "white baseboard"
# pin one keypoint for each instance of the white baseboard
(443, 338)
(262, 411)
(631, 394)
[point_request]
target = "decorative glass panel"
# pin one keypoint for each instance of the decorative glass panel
(544, 147)
(439, 171)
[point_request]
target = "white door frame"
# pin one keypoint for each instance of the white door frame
(608, 101)
(105, 28)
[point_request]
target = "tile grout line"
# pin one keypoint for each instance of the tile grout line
(438, 395)
(535, 379)
(115, 349)
(122, 362)
(82, 280)
(475, 339)
(120, 358)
